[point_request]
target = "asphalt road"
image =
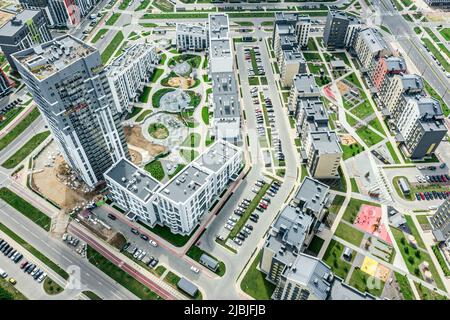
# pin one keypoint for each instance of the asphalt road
(403, 32)
(60, 253)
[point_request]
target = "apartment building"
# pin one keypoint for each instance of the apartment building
(309, 278)
(370, 45)
(385, 67)
(440, 222)
(421, 125)
(394, 88)
(24, 30)
(323, 153)
(304, 86)
(6, 84)
(291, 32)
(61, 13)
(438, 3)
(340, 30)
(128, 73)
(294, 228)
(182, 202)
(225, 96)
(191, 37)
(68, 82)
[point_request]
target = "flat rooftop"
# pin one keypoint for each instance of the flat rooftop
(314, 109)
(11, 23)
(225, 95)
(5, 16)
(285, 16)
(395, 64)
(48, 58)
(412, 82)
(293, 56)
(185, 183)
(215, 157)
(305, 83)
(373, 39)
(326, 142)
(127, 58)
(218, 26)
(220, 48)
(129, 176)
(312, 195)
(198, 29)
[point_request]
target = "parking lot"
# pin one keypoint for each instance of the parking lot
(254, 63)
(240, 224)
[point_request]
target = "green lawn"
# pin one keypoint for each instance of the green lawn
(158, 130)
(336, 204)
(445, 32)
(205, 115)
(92, 295)
(359, 280)
(405, 288)
(415, 232)
(332, 258)
(144, 114)
(392, 152)
(195, 253)
(163, 5)
(114, 17)
(351, 150)
(414, 257)
(255, 284)
(158, 95)
(441, 260)
(353, 209)
(9, 292)
(143, 5)
(133, 112)
(120, 276)
(155, 169)
(354, 185)
(10, 116)
(427, 294)
(28, 210)
(429, 44)
(349, 233)
(368, 136)
(423, 220)
(156, 74)
(253, 81)
(164, 232)
(145, 94)
(25, 150)
(376, 124)
(188, 155)
(19, 128)
(363, 110)
(112, 46)
(124, 4)
(99, 34)
(34, 252)
(192, 140)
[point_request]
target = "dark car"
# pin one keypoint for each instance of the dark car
(252, 218)
(144, 237)
(133, 230)
(240, 237)
(418, 196)
(249, 226)
(154, 263)
(111, 216)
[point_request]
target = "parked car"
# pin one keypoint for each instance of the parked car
(194, 269)
(144, 237)
(111, 216)
(153, 243)
(136, 232)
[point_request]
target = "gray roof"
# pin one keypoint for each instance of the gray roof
(286, 16)
(342, 291)
(338, 64)
(218, 25)
(128, 57)
(209, 262)
(395, 64)
(305, 83)
(314, 109)
(288, 233)
(18, 22)
(293, 56)
(187, 287)
(129, 176)
(215, 157)
(326, 142)
(185, 183)
(225, 95)
(48, 58)
(220, 48)
(312, 195)
(374, 40)
(412, 82)
(193, 28)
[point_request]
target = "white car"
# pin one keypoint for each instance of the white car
(42, 277)
(238, 241)
(228, 227)
(196, 270)
(233, 219)
(137, 253)
(153, 243)
(231, 223)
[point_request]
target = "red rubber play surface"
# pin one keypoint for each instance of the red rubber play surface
(369, 220)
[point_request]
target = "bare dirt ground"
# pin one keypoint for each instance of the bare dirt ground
(181, 82)
(136, 156)
(343, 88)
(49, 182)
(135, 138)
(347, 139)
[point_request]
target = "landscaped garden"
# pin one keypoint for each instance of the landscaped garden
(155, 169)
(254, 282)
(158, 131)
(332, 258)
